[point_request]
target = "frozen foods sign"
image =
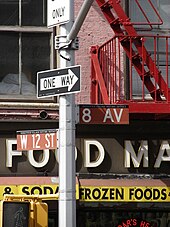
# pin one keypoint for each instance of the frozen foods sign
(58, 12)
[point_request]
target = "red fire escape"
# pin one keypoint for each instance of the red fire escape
(124, 62)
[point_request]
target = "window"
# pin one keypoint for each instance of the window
(25, 46)
(143, 12)
(121, 218)
(162, 12)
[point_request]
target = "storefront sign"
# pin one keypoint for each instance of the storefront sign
(31, 190)
(95, 193)
(104, 114)
(124, 194)
(120, 157)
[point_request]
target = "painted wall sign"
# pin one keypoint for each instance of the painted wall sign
(104, 114)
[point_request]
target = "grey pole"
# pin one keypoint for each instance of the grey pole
(67, 172)
(67, 179)
(79, 19)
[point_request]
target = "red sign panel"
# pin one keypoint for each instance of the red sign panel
(104, 114)
(37, 139)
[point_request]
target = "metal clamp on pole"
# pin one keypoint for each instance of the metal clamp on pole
(61, 43)
(72, 44)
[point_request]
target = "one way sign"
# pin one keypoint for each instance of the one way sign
(58, 81)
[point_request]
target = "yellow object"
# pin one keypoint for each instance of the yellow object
(30, 190)
(39, 214)
(27, 211)
(124, 194)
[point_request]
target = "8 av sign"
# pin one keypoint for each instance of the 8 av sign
(104, 114)
(58, 81)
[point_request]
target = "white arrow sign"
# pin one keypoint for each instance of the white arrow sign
(58, 81)
(68, 80)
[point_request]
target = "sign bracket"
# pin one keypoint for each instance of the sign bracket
(73, 44)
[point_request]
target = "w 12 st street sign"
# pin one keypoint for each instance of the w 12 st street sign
(58, 81)
(37, 139)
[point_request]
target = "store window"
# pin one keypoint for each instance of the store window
(25, 46)
(123, 218)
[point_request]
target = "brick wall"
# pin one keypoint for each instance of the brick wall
(94, 31)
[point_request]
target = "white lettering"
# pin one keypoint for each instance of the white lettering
(10, 152)
(43, 162)
(163, 148)
(86, 115)
(136, 159)
(108, 115)
(23, 141)
(87, 151)
(94, 153)
(52, 139)
(118, 116)
(48, 140)
(35, 141)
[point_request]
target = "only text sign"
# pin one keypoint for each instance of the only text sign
(58, 12)
(104, 114)
(58, 81)
(37, 139)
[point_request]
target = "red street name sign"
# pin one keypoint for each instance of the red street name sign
(37, 139)
(104, 114)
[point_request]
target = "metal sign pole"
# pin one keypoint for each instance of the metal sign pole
(61, 12)
(67, 176)
(67, 179)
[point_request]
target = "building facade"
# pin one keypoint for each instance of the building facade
(122, 139)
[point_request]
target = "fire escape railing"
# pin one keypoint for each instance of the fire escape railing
(115, 77)
(130, 67)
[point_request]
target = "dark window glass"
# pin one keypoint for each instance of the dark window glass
(162, 7)
(9, 12)
(35, 54)
(9, 53)
(15, 214)
(34, 13)
(138, 218)
(24, 51)
(164, 10)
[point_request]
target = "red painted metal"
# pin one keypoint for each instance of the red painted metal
(109, 83)
(148, 22)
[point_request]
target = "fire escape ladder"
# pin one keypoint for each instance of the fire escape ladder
(138, 54)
